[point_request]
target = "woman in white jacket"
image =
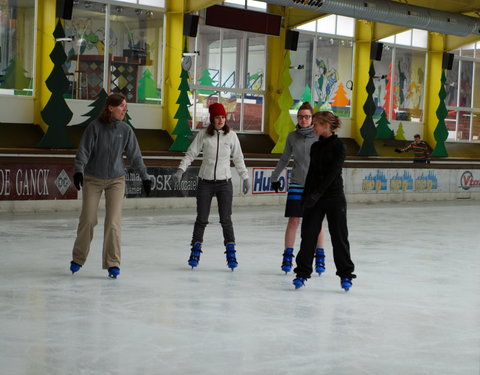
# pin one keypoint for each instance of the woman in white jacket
(219, 144)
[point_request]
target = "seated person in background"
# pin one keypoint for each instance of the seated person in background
(421, 152)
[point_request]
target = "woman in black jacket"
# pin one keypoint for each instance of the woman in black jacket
(324, 196)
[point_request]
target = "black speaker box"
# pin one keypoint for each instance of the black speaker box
(64, 9)
(447, 60)
(376, 50)
(291, 40)
(190, 25)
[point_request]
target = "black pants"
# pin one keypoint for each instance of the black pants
(206, 190)
(336, 211)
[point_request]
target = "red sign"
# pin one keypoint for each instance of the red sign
(36, 182)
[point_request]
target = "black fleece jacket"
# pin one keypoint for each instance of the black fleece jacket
(324, 178)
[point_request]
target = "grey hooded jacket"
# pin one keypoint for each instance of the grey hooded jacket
(100, 153)
(298, 146)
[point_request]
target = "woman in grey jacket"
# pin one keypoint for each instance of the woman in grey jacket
(298, 146)
(99, 168)
(218, 144)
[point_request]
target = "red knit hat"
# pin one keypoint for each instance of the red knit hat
(216, 109)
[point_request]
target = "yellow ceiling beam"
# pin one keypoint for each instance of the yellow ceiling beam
(192, 6)
(453, 42)
(384, 30)
(297, 17)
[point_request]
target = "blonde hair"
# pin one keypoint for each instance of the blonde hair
(326, 116)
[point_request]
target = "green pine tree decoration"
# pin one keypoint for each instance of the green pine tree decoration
(206, 80)
(147, 88)
(97, 105)
(383, 130)
(182, 130)
(400, 136)
(368, 129)
(127, 120)
(56, 113)
(284, 124)
(14, 76)
(307, 95)
(441, 131)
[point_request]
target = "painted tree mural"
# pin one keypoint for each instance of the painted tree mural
(56, 113)
(206, 80)
(182, 130)
(441, 132)
(14, 76)
(383, 130)
(307, 95)
(341, 98)
(368, 129)
(388, 89)
(147, 88)
(97, 107)
(284, 124)
(400, 135)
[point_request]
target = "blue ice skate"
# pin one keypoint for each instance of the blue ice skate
(195, 255)
(299, 282)
(346, 283)
(287, 260)
(74, 267)
(113, 272)
(230, 253)
(319, 261)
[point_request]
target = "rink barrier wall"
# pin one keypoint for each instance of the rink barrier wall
(32, 183)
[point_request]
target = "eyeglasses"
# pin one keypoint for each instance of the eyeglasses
(306, 117)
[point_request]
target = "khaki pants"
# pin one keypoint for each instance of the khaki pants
(114, 194)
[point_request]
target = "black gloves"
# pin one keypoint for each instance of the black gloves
(78, 180)
(276, 186)
(398, 150)
(147, 186)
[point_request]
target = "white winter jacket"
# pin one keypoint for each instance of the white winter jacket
(217, 150)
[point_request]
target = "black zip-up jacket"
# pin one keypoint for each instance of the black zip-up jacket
(324, 177)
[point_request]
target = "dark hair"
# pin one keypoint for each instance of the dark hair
(417, 136)
(211, 129)
(113, 100)
(306, 106)
(327, 116)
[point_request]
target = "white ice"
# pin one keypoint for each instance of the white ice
(414, 308)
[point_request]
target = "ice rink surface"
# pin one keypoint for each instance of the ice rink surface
(414, 308)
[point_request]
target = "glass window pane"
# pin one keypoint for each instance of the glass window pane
(419, 38)
(85, 54)
(255, 77)
(333, 76)
(463, 128)
(17, 46)
(390, 39)
(310, 26)
(153, 3)
(476, 87)
(301, 87)
(208, 62)
(253, 113)
(345, 26)
(466, 74)
(231, 49)
(404, 38)
(468, 51)
(256, 5)
(451, 85)
(451, 124)
(408, 84)
(326, 24)
(233, 106)
(383, 94)
(476, 127)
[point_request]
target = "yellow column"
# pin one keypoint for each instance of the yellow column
(174, 42)
(436, 43)
(274, 67)
(363, 38)
(43, 65)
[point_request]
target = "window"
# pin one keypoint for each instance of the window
(230, 69)
(17, 46)
(133, 65)
(462, 96)
(322, 67)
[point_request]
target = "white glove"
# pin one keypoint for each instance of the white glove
(177, 176)
(246, 186)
